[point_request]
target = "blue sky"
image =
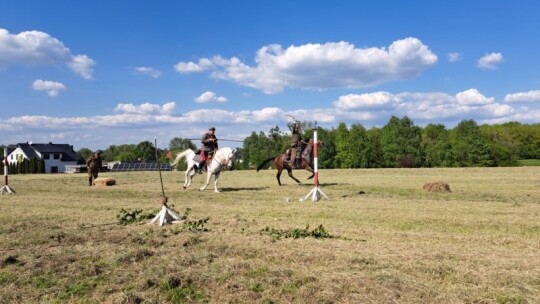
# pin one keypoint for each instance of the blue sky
(98, 73)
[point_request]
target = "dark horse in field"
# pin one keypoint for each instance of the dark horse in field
(281, 163)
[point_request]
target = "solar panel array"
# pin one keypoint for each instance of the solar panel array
(127, 166)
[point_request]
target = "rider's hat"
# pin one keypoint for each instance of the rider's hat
(212, 129)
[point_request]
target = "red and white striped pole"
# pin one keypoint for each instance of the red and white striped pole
(315, 157)
(6, 188)
(316, 192)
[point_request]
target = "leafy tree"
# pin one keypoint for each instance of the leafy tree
(33, 167)
(179, 144)
(341, 139)
(358, 150)
(469, 147)
(84, 153)
(41, 166)
(145, 150)
(503, 142)
(436, 146)
(112, 151)
(400, 141)
(256, 149)
(126, 156)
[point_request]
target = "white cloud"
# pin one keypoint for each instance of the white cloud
(209, 96)
(146, 108)
(453, 57)
(320, 66)
(39, 48)
(52, 88)
(148, 71)
(531, 96)
(473, 97)
(369, 101)
(82, 65)
(490, 61)
(204, 64)
(137, 122)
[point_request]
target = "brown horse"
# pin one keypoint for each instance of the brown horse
(281, 163)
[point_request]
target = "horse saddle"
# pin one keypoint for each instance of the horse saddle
(197, 157)
(288, 153)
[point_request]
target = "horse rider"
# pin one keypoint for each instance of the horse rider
(296, 146)
(209, 146)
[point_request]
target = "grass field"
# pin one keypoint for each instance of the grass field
(529, 162)
(382, 240)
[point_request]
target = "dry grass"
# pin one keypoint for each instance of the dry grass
(393, 242)
(440, 187)
(104, 181)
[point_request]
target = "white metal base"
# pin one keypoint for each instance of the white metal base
(166, 216)
(315, 193)
(7, 190)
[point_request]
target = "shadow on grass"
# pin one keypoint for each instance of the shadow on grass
(243, 189)
(331, 184)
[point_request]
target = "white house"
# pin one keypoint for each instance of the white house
(56, 156)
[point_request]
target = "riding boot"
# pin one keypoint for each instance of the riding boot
(90, 181)
(199, 168)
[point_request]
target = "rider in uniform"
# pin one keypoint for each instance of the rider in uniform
(296, 146)
(210, 145)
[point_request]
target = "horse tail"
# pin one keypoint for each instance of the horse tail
(265, 161)
(180, 155)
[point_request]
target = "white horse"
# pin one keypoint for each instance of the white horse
(223, 158)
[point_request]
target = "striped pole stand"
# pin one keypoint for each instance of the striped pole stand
(6, 189)
(316, 192)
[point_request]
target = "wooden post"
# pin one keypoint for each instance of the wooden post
(166, 215)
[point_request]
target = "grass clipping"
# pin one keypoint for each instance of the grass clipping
(442, 187)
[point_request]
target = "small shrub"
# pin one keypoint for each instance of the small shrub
(132, 216)
(318, 233)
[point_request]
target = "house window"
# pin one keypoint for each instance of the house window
(45, 156)
(56, 156)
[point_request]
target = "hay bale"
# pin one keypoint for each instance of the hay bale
(105, 181)
(437, 187)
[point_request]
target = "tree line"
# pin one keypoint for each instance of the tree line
(399, 143)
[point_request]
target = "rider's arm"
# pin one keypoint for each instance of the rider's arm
(205, 139)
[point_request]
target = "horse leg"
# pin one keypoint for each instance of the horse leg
(208, 176)
(310, 170)
(291, 176)
(187, 178)
(216, 178)
(191, 173)
(278, 175)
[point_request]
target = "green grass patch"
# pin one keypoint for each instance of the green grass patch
(529, 162)
(77, 289)
(182, 291)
